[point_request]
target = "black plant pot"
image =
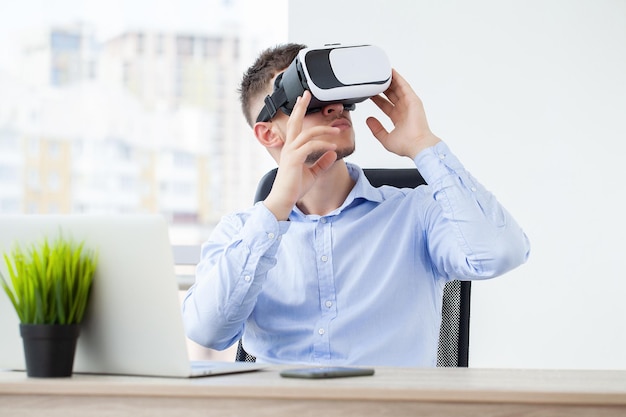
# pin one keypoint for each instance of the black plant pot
(49, 349)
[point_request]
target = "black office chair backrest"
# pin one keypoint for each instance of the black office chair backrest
(453, 350)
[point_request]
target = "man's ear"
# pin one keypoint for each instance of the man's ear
(268, 134)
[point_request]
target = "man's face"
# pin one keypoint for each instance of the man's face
(330, 115)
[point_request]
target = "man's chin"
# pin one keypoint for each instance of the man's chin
(341, 154)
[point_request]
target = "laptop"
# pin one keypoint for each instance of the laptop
(133, 324)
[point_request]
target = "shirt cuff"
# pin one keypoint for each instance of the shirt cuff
(436, 162)
(263, 228)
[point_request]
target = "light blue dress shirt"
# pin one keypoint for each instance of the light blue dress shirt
(359, 286)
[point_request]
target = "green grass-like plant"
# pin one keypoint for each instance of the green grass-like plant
(51, 282)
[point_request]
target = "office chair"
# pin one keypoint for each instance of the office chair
(453, 350)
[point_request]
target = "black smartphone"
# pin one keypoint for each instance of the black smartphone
(326, 372)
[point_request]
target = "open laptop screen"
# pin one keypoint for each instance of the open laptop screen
(133, 324)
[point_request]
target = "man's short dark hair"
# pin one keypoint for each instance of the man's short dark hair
(257, 78)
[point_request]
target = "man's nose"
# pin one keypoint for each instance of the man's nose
(332, 109)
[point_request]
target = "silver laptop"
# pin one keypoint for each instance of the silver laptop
(133, 325)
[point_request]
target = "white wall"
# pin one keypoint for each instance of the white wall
(531, 95)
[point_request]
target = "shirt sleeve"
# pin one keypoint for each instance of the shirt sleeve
(233, 266)
(470, 235)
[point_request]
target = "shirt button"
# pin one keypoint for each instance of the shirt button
(442, 156)
(247, 278)
(328, 304)
(473, 189)
(323, 220)
(324, 258)
(271, 235)
(321, 331)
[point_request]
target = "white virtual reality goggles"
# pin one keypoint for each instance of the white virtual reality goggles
(333, 74)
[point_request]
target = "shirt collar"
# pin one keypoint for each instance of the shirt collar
(362, 190)
(362, 187)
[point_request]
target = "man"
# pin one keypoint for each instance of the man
(329, 270)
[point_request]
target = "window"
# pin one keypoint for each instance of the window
(140, 43)
(125, 106)
(184, 45)
(159, 44)
(54, 150)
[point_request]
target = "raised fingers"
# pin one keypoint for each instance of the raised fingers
(398, 86)
(294, 124)
(385, 105)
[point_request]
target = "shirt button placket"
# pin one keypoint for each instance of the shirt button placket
(326, 287)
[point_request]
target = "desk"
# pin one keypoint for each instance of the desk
(390, 392)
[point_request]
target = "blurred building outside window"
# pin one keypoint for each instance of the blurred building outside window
(131, 107)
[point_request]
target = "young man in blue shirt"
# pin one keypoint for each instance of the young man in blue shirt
(329, 270)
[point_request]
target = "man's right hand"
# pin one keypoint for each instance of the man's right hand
(295, 176)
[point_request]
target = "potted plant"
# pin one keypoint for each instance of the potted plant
(49, 288)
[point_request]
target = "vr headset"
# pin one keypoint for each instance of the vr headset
(333, 74)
